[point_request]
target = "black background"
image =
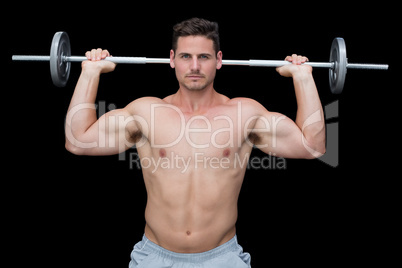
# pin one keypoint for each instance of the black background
(79, 211)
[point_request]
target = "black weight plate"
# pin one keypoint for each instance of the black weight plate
(60, 69)
(337, 75)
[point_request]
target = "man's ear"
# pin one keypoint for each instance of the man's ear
(219, 60)
(172, 58)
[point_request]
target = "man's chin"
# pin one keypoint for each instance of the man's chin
(195, 86)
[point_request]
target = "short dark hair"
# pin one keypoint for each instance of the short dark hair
(196, 26)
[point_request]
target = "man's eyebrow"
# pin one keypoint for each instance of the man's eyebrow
(201, 54)
(205, 54)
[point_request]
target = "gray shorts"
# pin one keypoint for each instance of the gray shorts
(229, 255)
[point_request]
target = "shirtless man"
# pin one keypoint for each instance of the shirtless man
(204, 136)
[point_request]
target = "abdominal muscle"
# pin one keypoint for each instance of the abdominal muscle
(191, 212)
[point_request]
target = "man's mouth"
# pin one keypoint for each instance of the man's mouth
(194, 76)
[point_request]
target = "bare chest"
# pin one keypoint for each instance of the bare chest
(214, 134)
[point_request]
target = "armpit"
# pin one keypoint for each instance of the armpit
(135, 136)
(253, 138)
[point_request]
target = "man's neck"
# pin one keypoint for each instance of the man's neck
(195, 101)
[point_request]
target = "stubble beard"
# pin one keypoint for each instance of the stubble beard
(197, 86)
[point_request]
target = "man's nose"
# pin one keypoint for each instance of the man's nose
(195, 64)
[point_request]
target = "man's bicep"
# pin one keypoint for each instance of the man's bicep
(120, 129)
(128, 126)
(278, 135)
(112, 133)
(116, 131)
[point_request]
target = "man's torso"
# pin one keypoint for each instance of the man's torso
(193, 167)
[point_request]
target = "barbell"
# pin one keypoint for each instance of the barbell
(60, 62)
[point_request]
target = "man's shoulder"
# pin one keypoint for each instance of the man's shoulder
(245, 103)
(148, 100)
(242, 100)
(145, 102)
(143, 105)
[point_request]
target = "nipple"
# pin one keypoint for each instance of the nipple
(162, 153)
(226, 153)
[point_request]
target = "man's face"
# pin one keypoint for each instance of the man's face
(195, 62)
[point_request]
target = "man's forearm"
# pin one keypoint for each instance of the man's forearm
(86, 88)
(81, 113)
(310, 116)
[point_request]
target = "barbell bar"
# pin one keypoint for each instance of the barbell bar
(60, 62)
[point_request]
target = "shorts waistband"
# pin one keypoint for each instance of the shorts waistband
(229, 246)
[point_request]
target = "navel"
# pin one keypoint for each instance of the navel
(188, 233)
(162, 152)
(226, 153)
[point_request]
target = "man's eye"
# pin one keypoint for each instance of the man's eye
(204, 57)
(185, 56)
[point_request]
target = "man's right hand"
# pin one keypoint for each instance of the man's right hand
(95, 61)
